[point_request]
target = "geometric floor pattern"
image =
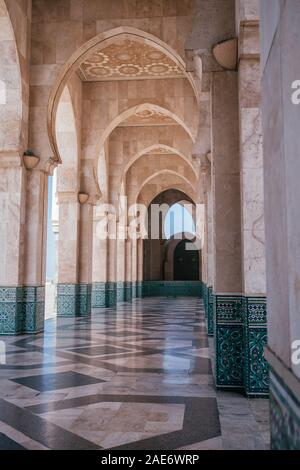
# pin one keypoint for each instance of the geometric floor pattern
(138, 376)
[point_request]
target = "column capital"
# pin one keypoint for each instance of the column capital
(50, 166)
(205, 162)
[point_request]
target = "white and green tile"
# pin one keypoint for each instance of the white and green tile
(256, 369)
(74, 300)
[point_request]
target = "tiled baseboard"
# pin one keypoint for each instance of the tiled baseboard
(22, 310)
(208, 300)
(239, 324)
(74, 300)
(228, 341)
(256, 368)
(107, 294)
(172, 288)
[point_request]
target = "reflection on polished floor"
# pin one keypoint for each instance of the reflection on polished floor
(135, 377)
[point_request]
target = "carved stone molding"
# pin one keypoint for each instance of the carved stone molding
(50, 166)
(129, 59)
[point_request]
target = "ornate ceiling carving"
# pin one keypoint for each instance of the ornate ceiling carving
(128, 60)
(160, 151)
(149, 117)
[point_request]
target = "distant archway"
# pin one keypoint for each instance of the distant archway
(155, 245)
(186, 262)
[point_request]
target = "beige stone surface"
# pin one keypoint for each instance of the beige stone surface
(226, 183)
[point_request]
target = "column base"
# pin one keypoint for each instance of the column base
(256, 368)
(210, 312)
(99, 295)
(22, 310)
(111, 294)
(205, 300)
(128, 291)
(33, 309)
(74, 300)
(121, 291)
(240, 339)
(172, 289)
(134, 289)
(229, 341)
(208, 300)
(139, 289)
(107, 294)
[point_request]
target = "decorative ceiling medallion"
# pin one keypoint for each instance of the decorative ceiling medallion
(97, 58)
(99, 71)
(127, 60)
(129, 69)
(149, 117)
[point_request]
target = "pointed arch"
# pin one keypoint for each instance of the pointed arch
(164, 172)
(138, 109)
(151, 149)
(100, 41)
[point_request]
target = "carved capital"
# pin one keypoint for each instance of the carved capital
(50, 166)
(204, 160)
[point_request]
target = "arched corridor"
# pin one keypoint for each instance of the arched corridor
(155, 333)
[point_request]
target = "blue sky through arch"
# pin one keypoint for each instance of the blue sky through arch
(178, 220)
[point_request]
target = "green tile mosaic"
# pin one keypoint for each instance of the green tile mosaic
(99, 295)
(210, 312)
(33, 309)
(240, 339)
(256, 369)
(128, 291)
(139, 289)
(120, 292)
(229, 341)
(74, 300)
(22, 310)
(134, 290)
(111, 294)
(172, 288)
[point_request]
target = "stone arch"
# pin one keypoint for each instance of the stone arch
(103, 39)
(11, 97)
(137, 109)
(148, 193)
(164, 172)
(152, 149)
(153, 245)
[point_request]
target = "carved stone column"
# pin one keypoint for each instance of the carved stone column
(12, 209)
(227, 284)
(254, 308)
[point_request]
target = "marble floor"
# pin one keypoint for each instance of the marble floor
(135, 377)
